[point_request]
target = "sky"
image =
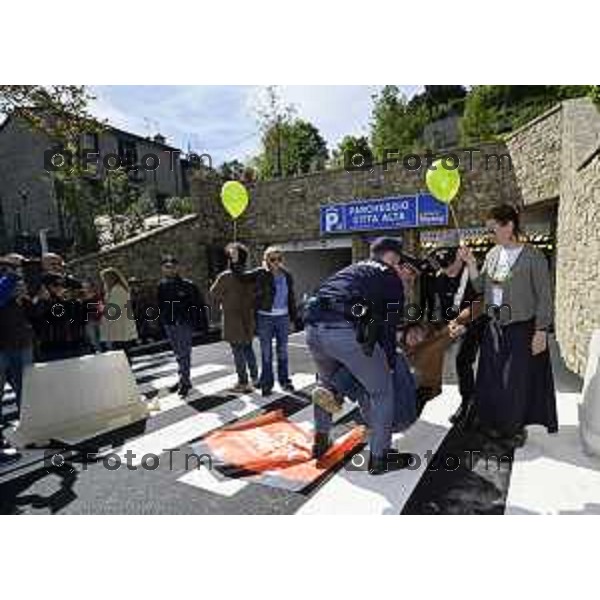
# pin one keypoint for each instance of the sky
(220, 120)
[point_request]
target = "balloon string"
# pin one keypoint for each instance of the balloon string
(456, 225)
(234, 230)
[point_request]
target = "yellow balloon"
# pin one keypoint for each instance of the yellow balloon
(234, 197)
(443, 183)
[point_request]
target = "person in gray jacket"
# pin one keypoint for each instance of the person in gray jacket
(514, 385)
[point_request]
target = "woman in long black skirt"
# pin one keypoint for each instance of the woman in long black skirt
(515, 384)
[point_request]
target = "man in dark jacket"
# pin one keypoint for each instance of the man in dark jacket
(275, 309)
(181, 307)
(459, 307)
(16, 332)
(352, 323)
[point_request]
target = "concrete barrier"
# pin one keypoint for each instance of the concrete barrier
(589, 413)
(73, 400)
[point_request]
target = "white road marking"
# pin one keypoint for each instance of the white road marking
(169, 380)
(203, 478)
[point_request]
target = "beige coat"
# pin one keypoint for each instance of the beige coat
(236, 296)
(121, 329)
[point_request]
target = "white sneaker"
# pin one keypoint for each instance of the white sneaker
(326, 399)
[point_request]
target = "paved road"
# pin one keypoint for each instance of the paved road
(456, 475)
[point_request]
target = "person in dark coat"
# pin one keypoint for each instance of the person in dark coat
(275, 310)
(514, 385)
(235, 292)
(16, 331)
(181, 308)
(459, 307)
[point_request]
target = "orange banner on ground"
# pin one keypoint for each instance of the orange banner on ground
(281, 450)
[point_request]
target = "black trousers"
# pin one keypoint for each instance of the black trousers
(465, 359)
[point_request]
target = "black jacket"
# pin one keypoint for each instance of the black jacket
(180, 301)
(265, 290)
(16, 331)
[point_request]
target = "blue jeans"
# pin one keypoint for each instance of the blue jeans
(180, 337)
(92, 336)
(245, 360)
(269, 327)
(12, 365)
(334, 346)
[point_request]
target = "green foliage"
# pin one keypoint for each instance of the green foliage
(494, 109)
(352, 145)
(594, 94)
(395, 123)
(232, 170)
(179, 206)
(292, 148)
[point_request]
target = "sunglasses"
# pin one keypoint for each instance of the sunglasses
(275, 259)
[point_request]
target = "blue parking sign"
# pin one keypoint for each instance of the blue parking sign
(393, 212)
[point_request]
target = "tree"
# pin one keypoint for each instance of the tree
(394, 123)
(438, 100)
(349, 146)
(61, 111)
(478, 122)
(273, 114)
(232, 169)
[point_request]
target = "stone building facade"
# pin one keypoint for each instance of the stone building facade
(557, 164)
(29, 200)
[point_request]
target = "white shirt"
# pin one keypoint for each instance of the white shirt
(506, 259)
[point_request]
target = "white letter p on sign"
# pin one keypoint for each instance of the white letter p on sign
(332, 219)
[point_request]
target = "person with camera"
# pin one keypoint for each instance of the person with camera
(459, 308)
(16, 331)
(351, 322)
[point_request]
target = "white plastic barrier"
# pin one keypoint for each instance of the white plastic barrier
(589, 414)
(76, 399)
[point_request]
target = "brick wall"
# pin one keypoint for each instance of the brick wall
(535, 150)
(140, 256)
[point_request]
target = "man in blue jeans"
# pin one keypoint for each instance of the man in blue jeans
(16, 332)
(275, 308)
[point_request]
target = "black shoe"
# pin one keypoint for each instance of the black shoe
(320, 445)
(173, 388)
(288, 387)
(393, 461)
(266, 391)
(519, 438)
(184, 389)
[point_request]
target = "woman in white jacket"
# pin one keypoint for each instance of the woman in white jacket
(117, 329)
